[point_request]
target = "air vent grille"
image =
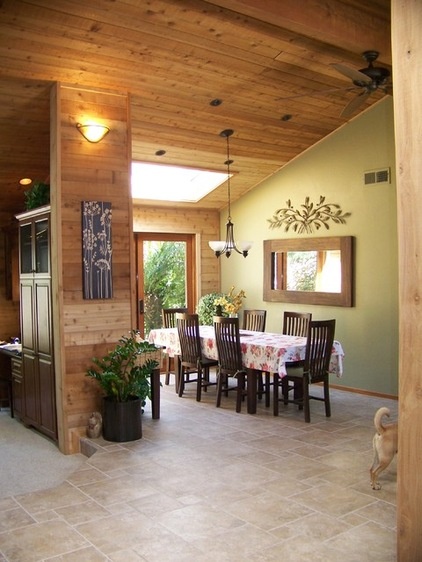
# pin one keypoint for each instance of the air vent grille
(377, 176)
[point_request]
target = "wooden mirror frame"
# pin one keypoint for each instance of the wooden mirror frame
(342, 243)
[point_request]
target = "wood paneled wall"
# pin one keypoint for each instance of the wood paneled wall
(204, 223)
(96, 172)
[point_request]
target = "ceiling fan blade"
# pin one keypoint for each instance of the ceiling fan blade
(355, 75)
(317, 93)
(355, 103)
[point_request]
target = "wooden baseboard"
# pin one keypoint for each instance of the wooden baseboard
(365, 392)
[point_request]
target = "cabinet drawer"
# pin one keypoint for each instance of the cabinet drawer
(16, 363)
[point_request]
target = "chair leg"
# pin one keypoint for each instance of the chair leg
(298, 392)
(285, 389)
(199, 385)
(275, 393)
(327, 399)
(167, 368)
(220, 383)
(181, 381)
(260, 385)
(267, 389)
(306, 405)
(240, 391)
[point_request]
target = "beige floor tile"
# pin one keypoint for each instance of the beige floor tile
(268, 510)
(198, 521)
(117, 490)
(237, 544)
(117, 532)
(369, 542)
(14, 519)
(88, 554)
(43, 540)
(207, 484)
(332, 500)
(53, 498)
(82, 513)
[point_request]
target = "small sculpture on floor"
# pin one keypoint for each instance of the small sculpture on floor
(95, 425)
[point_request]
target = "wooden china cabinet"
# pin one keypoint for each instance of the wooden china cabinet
(37, 390)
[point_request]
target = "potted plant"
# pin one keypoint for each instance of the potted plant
(37, 196)
(124, 376)
(207, 308)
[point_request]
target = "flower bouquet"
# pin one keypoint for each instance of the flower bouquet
(231, 303)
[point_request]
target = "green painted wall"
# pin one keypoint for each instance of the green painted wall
(334, 168)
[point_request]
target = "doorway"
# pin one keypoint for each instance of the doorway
(166, 276)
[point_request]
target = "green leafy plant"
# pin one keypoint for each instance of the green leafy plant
(124, 372)
(207, 308)
(164, 280)
(37, 196)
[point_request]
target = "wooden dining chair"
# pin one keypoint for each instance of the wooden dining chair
(296, 324)
(192, 362)
(254, 320)
(168, 317)
(230, 367)
(315, 369)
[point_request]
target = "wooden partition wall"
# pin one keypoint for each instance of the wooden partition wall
(83, 171)
(205, 224)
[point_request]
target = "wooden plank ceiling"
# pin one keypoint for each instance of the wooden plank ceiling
(263, 60)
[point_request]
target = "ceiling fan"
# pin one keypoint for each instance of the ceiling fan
(368, 79)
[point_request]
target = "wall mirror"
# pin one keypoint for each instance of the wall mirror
(309, 271)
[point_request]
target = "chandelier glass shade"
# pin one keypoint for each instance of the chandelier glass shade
(229, 245)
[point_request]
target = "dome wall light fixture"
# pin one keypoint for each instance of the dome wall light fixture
(93, 132)
(229, 245)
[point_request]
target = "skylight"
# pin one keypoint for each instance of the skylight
(171, 183)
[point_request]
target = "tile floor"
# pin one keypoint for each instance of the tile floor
(207, 484)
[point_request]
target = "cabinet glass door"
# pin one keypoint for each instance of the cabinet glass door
(26, 248)
(41, 246)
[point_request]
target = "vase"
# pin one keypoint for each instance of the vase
(234, 315)
(219, 310)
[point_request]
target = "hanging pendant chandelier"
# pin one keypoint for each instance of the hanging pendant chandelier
(229, 245)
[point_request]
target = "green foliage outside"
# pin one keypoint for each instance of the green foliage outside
(206, 308)
(302, 268)
(164, 280)
(117, 373)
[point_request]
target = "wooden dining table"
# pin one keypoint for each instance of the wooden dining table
(261, 352)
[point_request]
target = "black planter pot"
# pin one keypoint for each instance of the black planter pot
(122, 421)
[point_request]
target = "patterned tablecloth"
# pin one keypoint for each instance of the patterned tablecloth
(262, 351)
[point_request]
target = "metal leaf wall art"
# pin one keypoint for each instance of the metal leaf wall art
(309, 217)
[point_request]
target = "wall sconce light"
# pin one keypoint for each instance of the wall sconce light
(93, 132)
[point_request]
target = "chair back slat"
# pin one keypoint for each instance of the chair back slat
(296, 323)
(228, 344)
(190, 341)
(168, 316)
(319, 348)
(254, 320)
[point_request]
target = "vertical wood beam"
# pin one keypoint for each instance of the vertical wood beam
(407, 61)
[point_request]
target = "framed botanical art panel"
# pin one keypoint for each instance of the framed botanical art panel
(97, 250)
